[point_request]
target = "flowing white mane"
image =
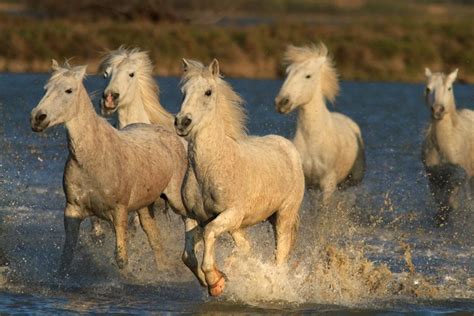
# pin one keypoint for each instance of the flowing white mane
(329, 77)
(230, 105)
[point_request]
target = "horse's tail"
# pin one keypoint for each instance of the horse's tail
(358, 168)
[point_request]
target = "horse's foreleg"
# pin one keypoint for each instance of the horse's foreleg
(241, 241)
(72, 222)
(286, 227)
(229, 220)
(120, 217)
(328, 186)
(151, 231)
(193, 237)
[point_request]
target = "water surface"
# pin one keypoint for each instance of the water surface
(355, 258)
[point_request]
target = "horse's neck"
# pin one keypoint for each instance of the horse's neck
(443, 132)
(88, 133)
(313, 117)
(211, 151)
(132, 113)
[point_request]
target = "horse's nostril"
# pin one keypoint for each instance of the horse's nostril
(186, 122)
(284, 101)
(115, 95)
(441, 108)
(40, 117)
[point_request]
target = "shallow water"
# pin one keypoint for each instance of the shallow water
(377, 250)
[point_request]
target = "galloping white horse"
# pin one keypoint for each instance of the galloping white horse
(133, 93)
(243, 179)
(109, 173)
(448, 149)
(330, 144)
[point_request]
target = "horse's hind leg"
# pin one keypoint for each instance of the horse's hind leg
(328, 185)
(286, 226)
(241, 241)
(120, 221)
(229, 220)
(72, 222)
(193, 237)
(151, 231)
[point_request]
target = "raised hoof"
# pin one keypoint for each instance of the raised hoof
(217, 288)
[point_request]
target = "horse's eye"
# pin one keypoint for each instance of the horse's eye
(132, 75)
(68, 91)
(308, 76)
(427, 90)
(208, 92)
(450, 88)
(106, 75)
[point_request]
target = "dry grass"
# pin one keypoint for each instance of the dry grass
(366, 45)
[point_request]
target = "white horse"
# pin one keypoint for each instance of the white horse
(448, 149)
(109, 173)
(330, 144)
(243, 179)
(133, 93)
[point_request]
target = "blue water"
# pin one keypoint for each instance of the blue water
(392, 205)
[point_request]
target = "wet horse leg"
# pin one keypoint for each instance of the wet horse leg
(73, 216)
(328, 186)
(229, 220)
(120, 217)
(240, 238)
(193, 238)
(285, 227)
(149, 227)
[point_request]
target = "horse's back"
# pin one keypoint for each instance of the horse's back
(274, 148)
(345, 121)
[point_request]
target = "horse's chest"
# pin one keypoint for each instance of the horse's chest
(85, 191)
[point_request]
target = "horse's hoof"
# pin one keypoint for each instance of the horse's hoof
(217, 288)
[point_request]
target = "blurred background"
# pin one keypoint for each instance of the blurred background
(372, 40)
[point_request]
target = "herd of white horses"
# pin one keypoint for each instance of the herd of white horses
(205, 166)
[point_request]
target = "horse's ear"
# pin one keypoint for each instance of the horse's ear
(185, 64)
(214, 67)
(79, 72)
(54, 65)
(427, 72)
(453, 75)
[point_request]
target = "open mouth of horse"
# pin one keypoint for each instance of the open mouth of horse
(108, 107)
(437, 116)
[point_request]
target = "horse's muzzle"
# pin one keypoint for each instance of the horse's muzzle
(282, 105)
(39, 121)
(438, 112)
(108, 103)
(182, 124)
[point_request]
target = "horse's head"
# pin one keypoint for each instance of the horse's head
(439, 95)
(199, 96)
(308, 68)
(123, 68)
(59, 103)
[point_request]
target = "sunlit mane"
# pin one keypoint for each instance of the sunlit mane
(329, 77)
(230, 105)
(148, 88)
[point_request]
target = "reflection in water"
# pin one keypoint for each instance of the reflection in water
(375, 246)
